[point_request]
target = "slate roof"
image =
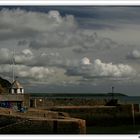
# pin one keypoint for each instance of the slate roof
(16, 85)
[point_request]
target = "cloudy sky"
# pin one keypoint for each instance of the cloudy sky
(72, 49)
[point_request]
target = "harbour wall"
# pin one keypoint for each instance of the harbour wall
(40, 102)
(102, 115)
(35, 122)
(94, 111)
(44, 102)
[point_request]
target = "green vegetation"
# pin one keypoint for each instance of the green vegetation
(4, 85)
(116, 94)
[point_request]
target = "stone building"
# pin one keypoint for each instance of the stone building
(16, 88)
(16, 98)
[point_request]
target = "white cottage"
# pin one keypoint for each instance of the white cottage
(16, 88)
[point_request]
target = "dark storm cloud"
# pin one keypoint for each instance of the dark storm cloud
(17, 34)
(97, 26)
(22, 42)
(106, 14)
(96, 43)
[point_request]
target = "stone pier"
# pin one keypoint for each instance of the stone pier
(34, 122)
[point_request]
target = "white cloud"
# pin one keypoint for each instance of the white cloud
(19, 23)
(25, 56)
(98, 69)
(52, 40)
(5, 68)
(135, 54)
(111, 70)
(30, 73)
(37, 73)
(49, 30)
(5, 55)
(85, 61)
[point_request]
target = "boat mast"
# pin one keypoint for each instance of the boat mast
(13, 65)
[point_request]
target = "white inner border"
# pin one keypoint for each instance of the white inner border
(69, 3)
(69, 137)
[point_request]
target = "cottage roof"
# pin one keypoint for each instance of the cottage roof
(16, 84)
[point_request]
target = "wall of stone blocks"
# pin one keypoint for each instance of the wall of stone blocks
(43, 126)
(100, 115)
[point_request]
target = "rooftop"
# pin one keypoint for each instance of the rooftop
(16, 84)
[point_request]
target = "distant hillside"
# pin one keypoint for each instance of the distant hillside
(4, 85)
(76, 95)
(116, 94)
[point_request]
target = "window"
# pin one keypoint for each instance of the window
(15, 90)
(21, 90)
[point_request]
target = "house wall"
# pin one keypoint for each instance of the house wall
(11, 104)
(26, 100)
(17, 91)
(11, 100)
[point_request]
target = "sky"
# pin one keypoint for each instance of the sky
(71, 49)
